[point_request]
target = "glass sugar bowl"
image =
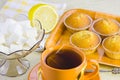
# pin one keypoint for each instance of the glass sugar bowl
(13, 62)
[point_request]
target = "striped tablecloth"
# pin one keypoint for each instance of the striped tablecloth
(12, 8)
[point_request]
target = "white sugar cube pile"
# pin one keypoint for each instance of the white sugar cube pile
(16, 35)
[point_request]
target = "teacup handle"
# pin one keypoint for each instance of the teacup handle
(92, 70)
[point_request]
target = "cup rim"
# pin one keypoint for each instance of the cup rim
(113, 52)
(95, 21)
(92, 48)
(54, 48)
(80, 28)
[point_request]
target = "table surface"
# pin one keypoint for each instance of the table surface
(107, 6)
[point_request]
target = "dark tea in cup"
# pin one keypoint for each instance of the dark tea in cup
(63, 59)
(66, 63)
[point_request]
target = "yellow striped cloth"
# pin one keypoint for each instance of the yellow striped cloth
(15, 7)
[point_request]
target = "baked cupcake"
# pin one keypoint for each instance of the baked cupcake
(106, 27)
(85, 40)
(77, 21)
(111, 46)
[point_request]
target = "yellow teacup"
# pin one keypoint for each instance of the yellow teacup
(66, 63)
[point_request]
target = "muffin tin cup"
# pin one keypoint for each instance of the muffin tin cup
(72, 29)
(109, 53)
(87, 51)
(104, 35)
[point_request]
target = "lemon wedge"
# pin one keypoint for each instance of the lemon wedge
(44, 13)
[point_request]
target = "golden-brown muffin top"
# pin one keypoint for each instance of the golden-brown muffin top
(85, 39)
(77, 20)
(106, 26)
(112, 43)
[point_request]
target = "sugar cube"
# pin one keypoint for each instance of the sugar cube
(14, 47)
(2, 39)
(4, 49)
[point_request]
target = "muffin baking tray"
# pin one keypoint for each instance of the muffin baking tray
(60, 35)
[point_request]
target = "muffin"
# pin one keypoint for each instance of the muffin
(85, 40)
(112, 47)
(77, 21)
(106, 27)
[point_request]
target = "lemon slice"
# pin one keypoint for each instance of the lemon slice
(46, 14)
